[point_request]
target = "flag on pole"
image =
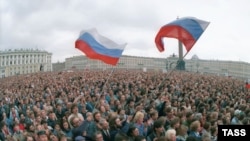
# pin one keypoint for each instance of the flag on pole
(96, 46)
(187, 30)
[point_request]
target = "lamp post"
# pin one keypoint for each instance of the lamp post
(197, 66)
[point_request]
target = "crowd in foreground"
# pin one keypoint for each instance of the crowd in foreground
(120, 105)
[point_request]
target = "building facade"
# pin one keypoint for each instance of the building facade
(237, 69)
(24, 61)
(59, 66)
(216, 67)
(125, 62)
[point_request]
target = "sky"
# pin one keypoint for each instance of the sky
(54, 26)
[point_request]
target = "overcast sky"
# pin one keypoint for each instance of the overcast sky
(54, 25)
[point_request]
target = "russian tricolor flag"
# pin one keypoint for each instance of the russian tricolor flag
(96, 46)
(187, 30)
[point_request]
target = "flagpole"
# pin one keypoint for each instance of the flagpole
(102, 90)
(113, 69)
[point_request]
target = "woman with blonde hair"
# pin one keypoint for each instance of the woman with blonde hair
(138, 122)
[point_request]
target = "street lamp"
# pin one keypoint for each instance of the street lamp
(197, 66)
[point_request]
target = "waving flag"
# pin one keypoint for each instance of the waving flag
(187, 30)
(96, 46)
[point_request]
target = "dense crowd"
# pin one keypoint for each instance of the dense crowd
(120, 105)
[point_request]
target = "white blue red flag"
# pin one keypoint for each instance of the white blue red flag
(187, 30)
(96, 46)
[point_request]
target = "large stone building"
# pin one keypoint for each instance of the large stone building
(125, 62)
(24, 61)
(237, 69)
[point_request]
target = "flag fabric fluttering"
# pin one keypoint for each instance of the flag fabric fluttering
(187, 30)
(96, 46)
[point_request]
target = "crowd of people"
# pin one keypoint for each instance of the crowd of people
(120, 105)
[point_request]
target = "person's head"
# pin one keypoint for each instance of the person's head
(104, 124)
(162, 119)
(158, 126)
(115, 122)
(121, 137)
(195, 126)
(84, 109)
(102, 109)
(89, 116)
(63, 138)
(75, 121)
(133, 131)
(74, 108)
(191, 138)
(53, 137)
(226, 119)
(59, 106)
(189, 115)
(246, 121)
(140, 138)
(169, 112)
(44, 124)
(16, 128)
(122, 98)
(121, 111)
(51, 115)
(171, 135)
(107, 107)
(65, 124)
(22, 118)
(43, 114)
(98, 136)
(206, 137)
(97, 116)
(207, 126)
(30, 128)
(153, 114)
(42, 136)
(182, 130)
(38, 119)
(29, 137)
(131, 103)
(175, 123)
(214, 131)
(32, 115)
(80, 138)
(138, 118)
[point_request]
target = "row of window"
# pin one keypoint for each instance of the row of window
(23, 56)
(21, 72)
(19, 62)
(23, 67)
